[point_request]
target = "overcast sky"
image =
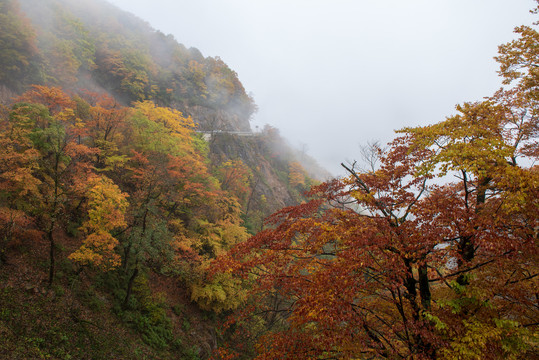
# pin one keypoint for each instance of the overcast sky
(335, 74)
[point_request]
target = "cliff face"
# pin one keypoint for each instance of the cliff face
(211, 119)
(280, 174)
(270, 179)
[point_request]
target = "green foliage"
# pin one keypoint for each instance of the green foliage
(79, 40)
(35, 326)
(476, 339)
(178, 309)
(222, 293)
(147, 315)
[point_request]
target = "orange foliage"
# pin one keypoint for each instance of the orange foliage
(296, 174)
(235, 178)
(54, 98)
(389, 263)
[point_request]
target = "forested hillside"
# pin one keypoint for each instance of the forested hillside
(128, 165)
(95, 46)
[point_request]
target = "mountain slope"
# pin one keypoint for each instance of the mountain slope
(113, 205)
(94, 45)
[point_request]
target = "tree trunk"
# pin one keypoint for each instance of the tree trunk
(424, 287)
(51, 255)
(127, 251)
(467, 244)
(130, 287)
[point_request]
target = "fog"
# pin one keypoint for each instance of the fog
(334, 75)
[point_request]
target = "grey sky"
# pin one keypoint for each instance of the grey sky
(334, 74)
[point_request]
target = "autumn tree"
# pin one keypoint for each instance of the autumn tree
(382, 264)
(432, 253)
(104, 119)
(235, 178)
(54, 98)
(296, 174)
(106, 209)
(46, 119)
(18, 185)
(127, 70)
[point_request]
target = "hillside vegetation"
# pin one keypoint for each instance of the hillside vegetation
(95, 46)
(112, 203)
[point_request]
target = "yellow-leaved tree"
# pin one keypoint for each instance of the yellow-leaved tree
(106, 209)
